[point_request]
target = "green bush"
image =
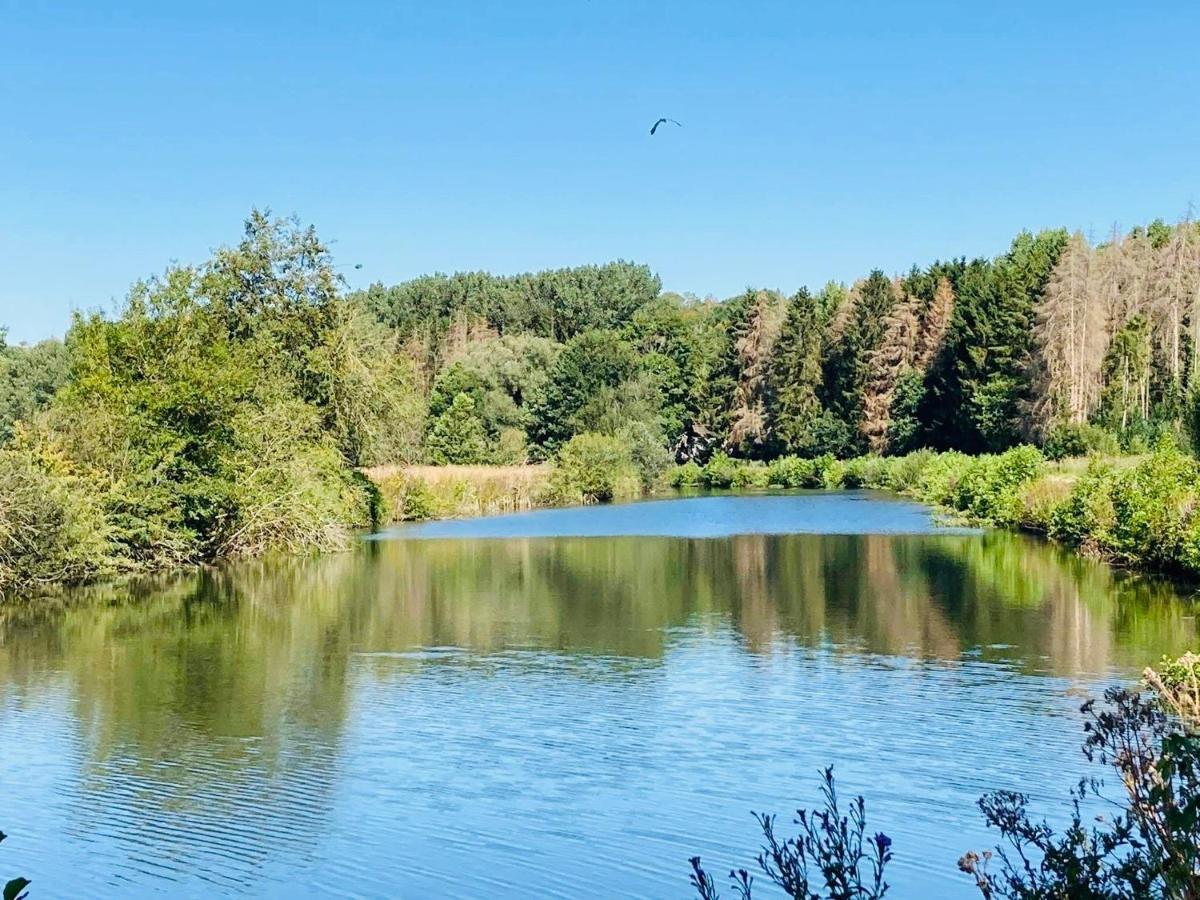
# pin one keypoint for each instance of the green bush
(720, 471)
(939, 479)
(1154, 510)
(905, 472)
(1069, 440)
(988, 489)
(593, 467)
(687, 475)
(650, 458)
(52, 525)
(854, 472)
(751, 475)
(791, 472)
(1086, 518)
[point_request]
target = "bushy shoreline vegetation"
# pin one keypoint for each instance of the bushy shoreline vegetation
(230, 407)
(1131, 511)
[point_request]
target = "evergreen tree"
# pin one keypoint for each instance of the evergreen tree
(858, 334)
(795, 413)
(457, 436)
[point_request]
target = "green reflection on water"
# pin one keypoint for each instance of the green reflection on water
(244, 650)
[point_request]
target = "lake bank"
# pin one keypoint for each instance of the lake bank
(1138, 512)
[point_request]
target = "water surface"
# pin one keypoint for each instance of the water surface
(484, 709)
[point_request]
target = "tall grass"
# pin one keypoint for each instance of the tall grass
(411, 493)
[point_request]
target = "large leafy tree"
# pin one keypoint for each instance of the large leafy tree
(590, 364)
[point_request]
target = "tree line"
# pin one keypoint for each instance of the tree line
(229, 406)
(1057, 341)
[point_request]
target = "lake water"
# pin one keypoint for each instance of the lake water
(560, 703)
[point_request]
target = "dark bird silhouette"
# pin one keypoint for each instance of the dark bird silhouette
(654, 127)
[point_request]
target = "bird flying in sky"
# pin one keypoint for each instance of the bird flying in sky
(654, 127)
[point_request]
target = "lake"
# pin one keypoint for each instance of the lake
(562, 703)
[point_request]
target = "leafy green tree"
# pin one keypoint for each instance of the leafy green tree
(457, 436)
(591, 366)
(29, 378)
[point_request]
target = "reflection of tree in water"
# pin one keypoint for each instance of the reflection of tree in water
(213, 703)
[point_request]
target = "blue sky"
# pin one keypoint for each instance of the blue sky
(819, 140)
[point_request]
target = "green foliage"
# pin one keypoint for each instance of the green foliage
(796, 472)
(795, 380)
(592, 468)
(988, 489)
(752, 475)
(219, 413)
(585, 380)
(29, 379)
(554, 304)
(52, 527)
(720, 471)
(1065, 441)
(457, 436)
(646, 451)
(687, 475)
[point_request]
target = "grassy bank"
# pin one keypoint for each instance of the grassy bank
(413, 493)
(1140, 511)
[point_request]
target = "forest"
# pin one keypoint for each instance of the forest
(232, 406)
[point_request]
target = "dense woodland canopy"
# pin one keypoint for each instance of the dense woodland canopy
(228, 406)
(1057, 340)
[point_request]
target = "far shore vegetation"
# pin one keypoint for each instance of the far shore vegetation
(251, 403)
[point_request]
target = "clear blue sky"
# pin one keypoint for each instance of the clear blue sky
(820, 139)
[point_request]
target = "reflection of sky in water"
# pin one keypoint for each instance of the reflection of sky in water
(567, 717)
(838, 512)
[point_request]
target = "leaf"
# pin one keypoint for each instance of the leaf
(12, 890)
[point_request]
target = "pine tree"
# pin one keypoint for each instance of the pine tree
(857, 333)
(794, 410)
(753, 343)
(457, 435)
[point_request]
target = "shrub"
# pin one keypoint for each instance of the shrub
(854, 472)
(52, 525)
(1039, 501)
(792, 472)
(593, 467)
(1177, 686)
(1149, 848)
(905, 472)
(687, 475)
(751, 475)
(833, 474)
(1153, 507)
(832, 851)
(1086, 518)
(1068, 440)
(650, 458)
(720, 471)
(988, 488)
(289, 487)
(939, 479)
